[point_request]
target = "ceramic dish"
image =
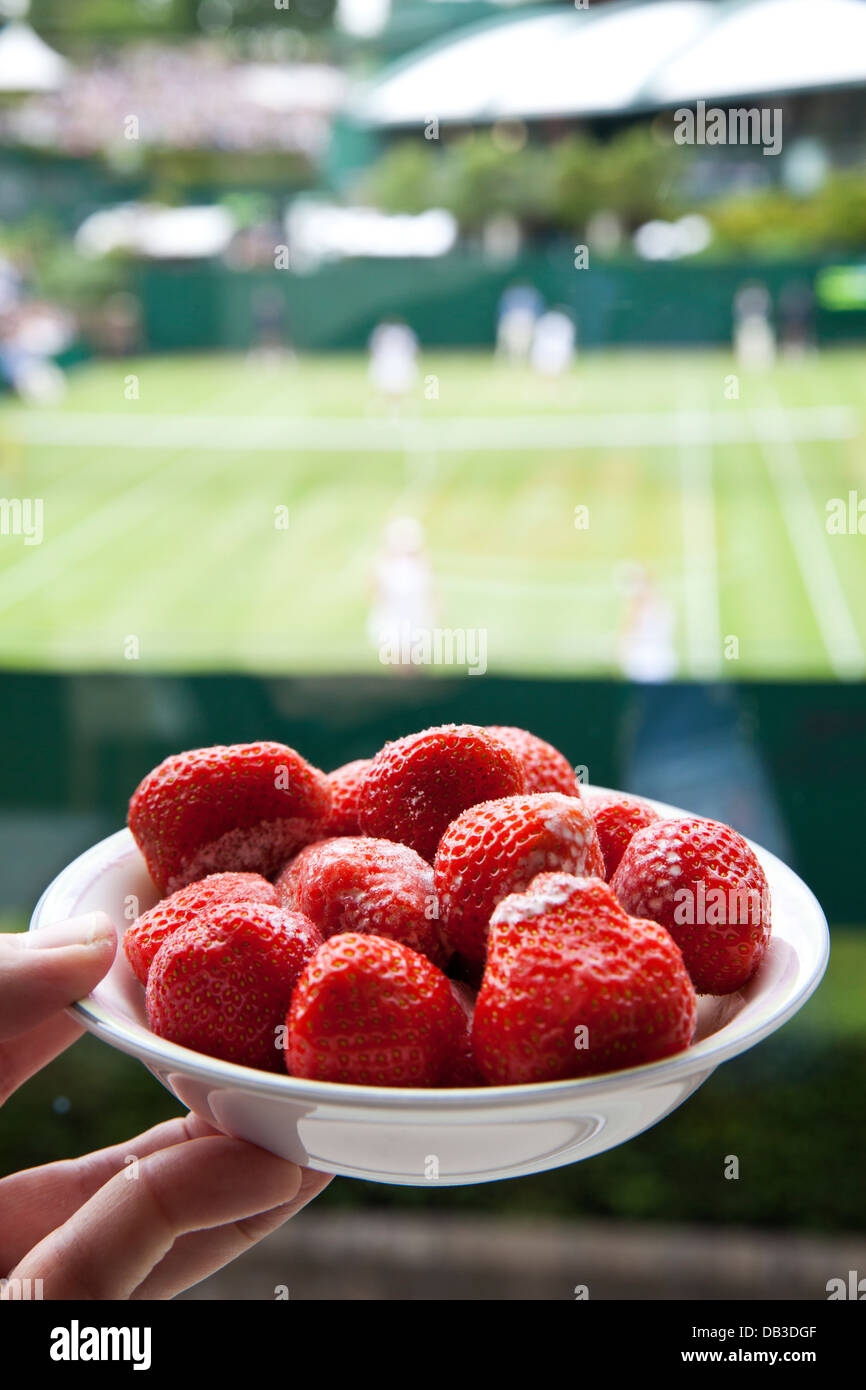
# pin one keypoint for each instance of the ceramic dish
(449, 1137)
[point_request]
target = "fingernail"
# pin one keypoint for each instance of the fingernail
(91, 929)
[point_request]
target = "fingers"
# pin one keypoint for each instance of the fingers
(107, 1249)
(38, 1200)
(42, 972)
(194, 1257)
(22, 1057)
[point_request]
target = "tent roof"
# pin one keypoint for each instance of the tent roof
(638, 54)
(769, 46)
(27, 63)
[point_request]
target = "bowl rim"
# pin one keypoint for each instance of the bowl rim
(135, 1040)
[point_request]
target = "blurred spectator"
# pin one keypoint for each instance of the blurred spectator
(520, 307)
(797, 318)
(404, 602)
(271, 343)
(754, 335)
(393, 360)
(11, 283)
(186, 97)
(32, 334)
(553, 343)
(117, 328)
(647, 646)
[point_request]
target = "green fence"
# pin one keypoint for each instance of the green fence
(452, 300)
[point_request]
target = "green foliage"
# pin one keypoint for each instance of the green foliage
(55, 269)
(185, 175)
(406, 179)
(632, 175)
(479, 176)
(560, 187)
(776, 223)
(87, 21)
(485, 180)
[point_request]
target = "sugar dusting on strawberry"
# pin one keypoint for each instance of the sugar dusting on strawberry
(360, 884)
(246, 807)
(702, 881)
(417, 785)
(495, 849)
(574, 987)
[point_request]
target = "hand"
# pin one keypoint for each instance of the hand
(84, 1226)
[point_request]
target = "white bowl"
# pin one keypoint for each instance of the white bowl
(445, 1137)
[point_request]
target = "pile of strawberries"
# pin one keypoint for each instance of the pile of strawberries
(455, 911)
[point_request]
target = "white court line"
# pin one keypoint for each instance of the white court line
(259, 433)
(700, 559)
(810, 545)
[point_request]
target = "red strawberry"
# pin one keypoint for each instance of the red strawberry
(544, 767)
(143, 939)
(346, 783)
(358, 884)
(462, 1068)
(574, 987)
(370, 1012)
(418, 785)
(495, 849)
(702, 881)
(222, 984)
(246, 807)
(617, 818)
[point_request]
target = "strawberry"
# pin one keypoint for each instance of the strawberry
(247, 807)
(573, 986)
(495, 849)
(359, 884)
(702, 881)
(416, 786)
(462, 1069)
(617, 818)
(372, 1012)
(346, 782)
(143, 939)
(222, 984)
(544, 767)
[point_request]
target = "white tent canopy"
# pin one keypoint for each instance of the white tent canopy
(771, 46)
(627, 56)
(465, 78)
(27, 63)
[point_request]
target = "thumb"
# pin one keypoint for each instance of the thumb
(43, 971)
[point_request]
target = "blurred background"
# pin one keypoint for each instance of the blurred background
(369, 364)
